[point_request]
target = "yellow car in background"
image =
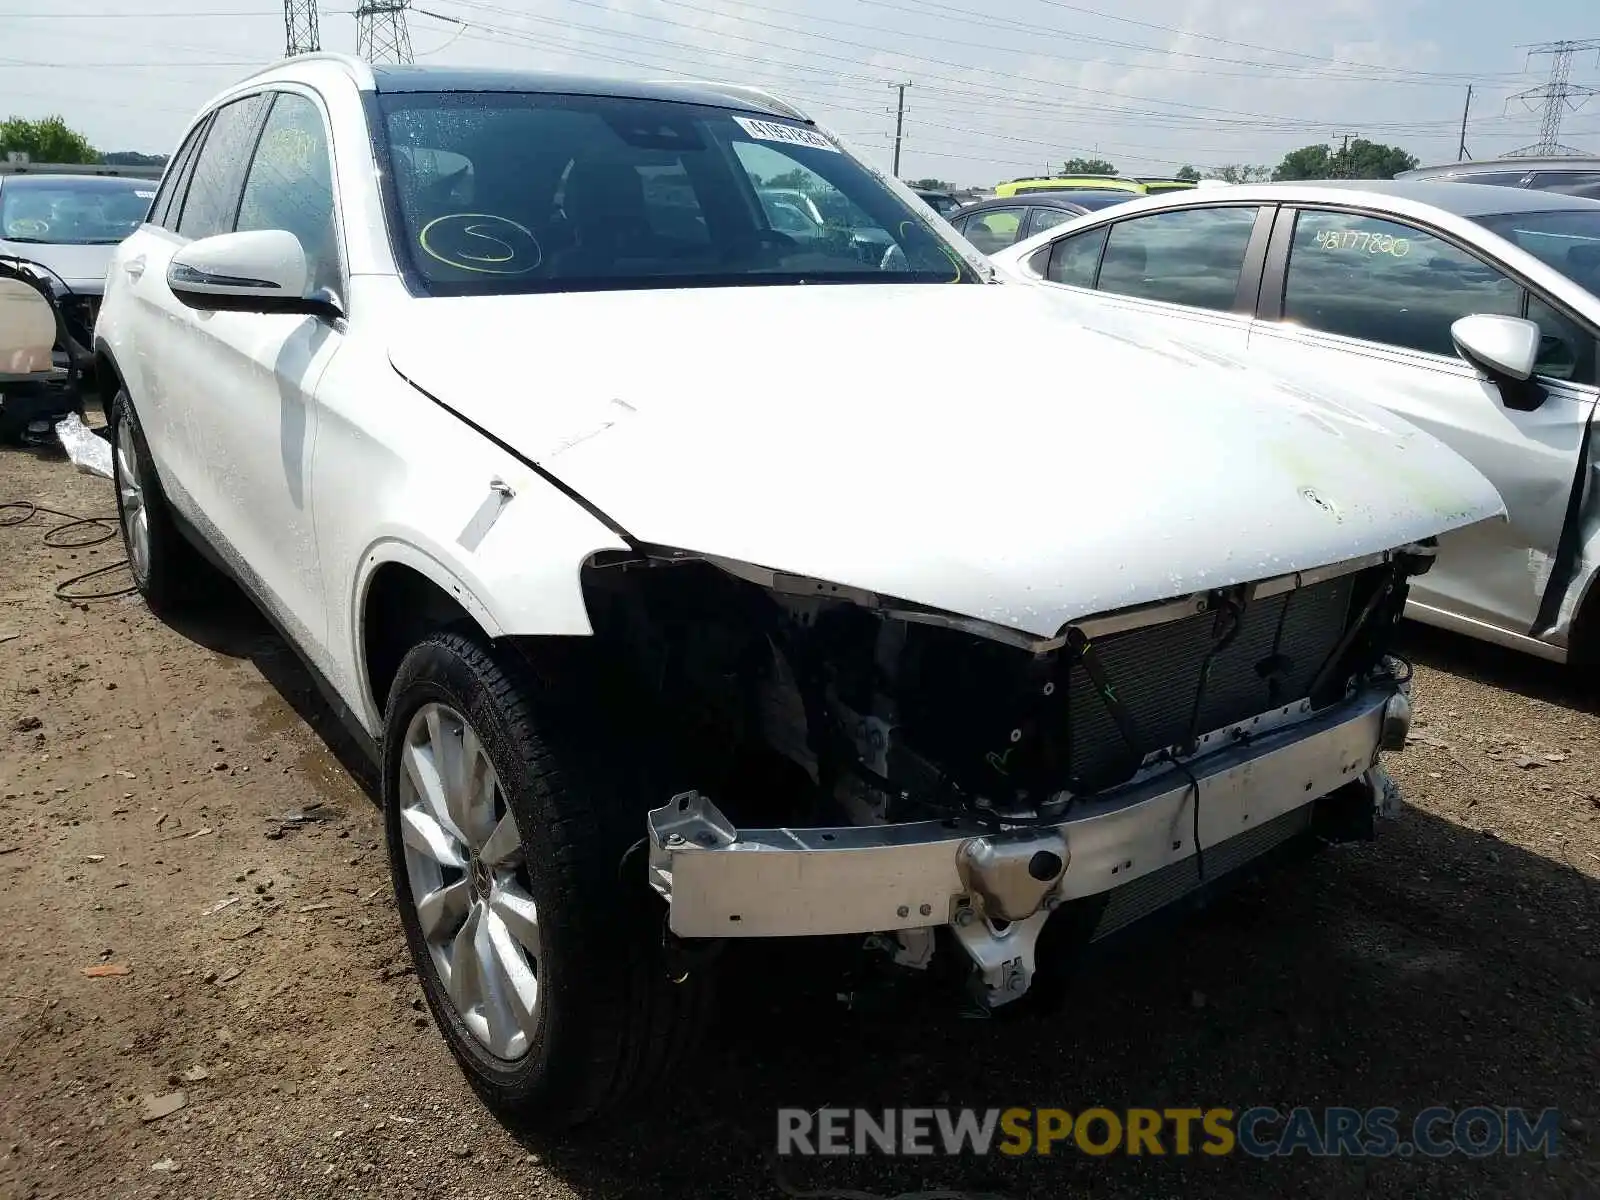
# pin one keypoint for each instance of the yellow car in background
(1018, 187)
(1145, 185)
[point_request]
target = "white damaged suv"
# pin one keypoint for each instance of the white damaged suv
(693, 580)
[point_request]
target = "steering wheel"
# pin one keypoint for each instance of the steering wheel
(28, 227)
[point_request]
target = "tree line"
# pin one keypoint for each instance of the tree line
(1358, 159)
(52, 140)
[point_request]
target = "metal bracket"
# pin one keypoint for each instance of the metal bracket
(1004, 957)
(1015, 871)
(1387, 802)
(688, 820)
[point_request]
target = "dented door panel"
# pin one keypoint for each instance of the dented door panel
(1494, 572)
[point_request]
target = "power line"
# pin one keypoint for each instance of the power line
(1097, 106)
(1560, 95)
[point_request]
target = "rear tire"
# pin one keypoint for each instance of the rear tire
(578, 958)
(166, 569)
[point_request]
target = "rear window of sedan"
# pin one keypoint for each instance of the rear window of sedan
(1567, 241)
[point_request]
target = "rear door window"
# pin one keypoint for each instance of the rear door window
(212, 203)
(1189, 256)
(996, 229)
(1048, 218)
(1075, 260)
(169, 199)
(1569, 183)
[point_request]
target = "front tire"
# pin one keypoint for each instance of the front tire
(508, 818)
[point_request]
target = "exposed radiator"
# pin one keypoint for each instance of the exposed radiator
(1134, 901)
(1281, 644)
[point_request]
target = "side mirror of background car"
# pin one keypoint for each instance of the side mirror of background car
(261, 271)
(1504, 350)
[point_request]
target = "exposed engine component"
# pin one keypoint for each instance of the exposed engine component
(872, 717)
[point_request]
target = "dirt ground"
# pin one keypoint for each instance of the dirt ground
(150, 778)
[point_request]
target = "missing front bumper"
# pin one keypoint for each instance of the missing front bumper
(727, 882)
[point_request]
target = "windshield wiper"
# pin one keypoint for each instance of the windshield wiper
(28, 240)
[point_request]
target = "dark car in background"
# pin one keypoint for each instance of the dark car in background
(1571, 176)
(992, 225)
(943, 203)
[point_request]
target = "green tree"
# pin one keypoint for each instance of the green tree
(932, 185)
(796, 180)
(1371, 160)
(1308, 162)
(132, 158)
(1087, 166)
(49, 140)
(1187, 172)
(1360, 159)
(1243, 173)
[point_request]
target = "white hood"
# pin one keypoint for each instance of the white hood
(962, 447)
(81, 268)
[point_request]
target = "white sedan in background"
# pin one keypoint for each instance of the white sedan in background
(1471, 311)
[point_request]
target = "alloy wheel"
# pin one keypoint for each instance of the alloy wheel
(468, 877)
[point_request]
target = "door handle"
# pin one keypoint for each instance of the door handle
(134, 267)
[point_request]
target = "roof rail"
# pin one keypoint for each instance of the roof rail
(738, 91)
(359, 70)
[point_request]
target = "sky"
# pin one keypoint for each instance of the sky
(998, 89)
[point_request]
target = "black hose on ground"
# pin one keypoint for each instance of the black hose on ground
(20, 512)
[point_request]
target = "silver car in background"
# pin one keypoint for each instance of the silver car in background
(1472, 311)
(69, 224)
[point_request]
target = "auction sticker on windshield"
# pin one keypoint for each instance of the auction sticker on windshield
(793, 135)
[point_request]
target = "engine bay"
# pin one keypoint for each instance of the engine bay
(872, 714)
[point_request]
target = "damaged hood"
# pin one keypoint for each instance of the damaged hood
(967, 448)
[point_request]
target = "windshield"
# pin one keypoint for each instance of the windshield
(521, 192)
(90, 211)
(1567, 241)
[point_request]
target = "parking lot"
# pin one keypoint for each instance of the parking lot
(177, 809)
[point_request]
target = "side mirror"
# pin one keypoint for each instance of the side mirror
(1503, 350)
(262, 271)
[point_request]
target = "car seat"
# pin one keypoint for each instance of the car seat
(33, 390)
(27, 329)
(607, 216)
(1583, 267)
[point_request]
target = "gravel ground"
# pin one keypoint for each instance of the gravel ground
(149, 774)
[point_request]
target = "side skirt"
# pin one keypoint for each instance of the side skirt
(367, 743)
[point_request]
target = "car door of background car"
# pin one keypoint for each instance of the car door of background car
(994, 228)
(1349, 295)
(1041, 218)
(1197, 269)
